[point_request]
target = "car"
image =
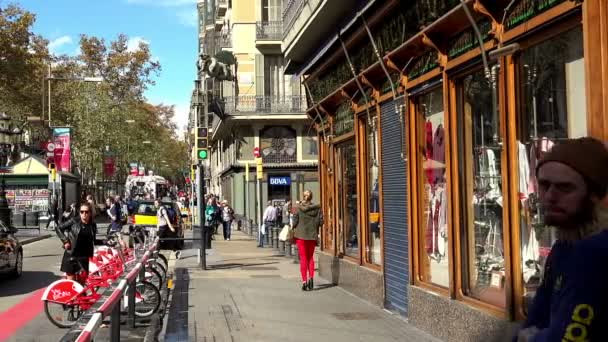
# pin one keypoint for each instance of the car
(11, 252)
(145, 215)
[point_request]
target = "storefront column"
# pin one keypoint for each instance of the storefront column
(595, 26)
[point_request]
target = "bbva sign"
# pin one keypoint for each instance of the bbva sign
(279, 180)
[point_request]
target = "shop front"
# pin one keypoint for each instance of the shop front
(429, 182)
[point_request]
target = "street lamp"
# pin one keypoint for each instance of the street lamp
(50, 77)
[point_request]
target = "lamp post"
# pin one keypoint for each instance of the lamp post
(50, 77)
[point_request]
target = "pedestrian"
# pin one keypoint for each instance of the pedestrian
(306, 223)
(114, 214)
(69, 213)
(227, 218)
(91, 202)
(269, 218)
(78, 238)
(165, 229)
(571, 303)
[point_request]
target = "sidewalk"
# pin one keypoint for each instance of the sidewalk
(252, 294)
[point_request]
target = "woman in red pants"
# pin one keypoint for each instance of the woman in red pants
(306, 222)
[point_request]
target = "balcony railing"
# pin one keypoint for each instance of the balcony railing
(291, 10)
(280, 158)
(224, 40)
(269, 30)
(265, 104)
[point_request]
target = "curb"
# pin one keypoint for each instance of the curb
(34, 239)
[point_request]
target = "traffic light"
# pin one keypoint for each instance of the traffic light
(201, 143)
(194, 167)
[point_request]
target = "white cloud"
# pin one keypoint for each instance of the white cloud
(163, 3)
(133, 43)
(55, 44)
(188, 18)
(182, 112)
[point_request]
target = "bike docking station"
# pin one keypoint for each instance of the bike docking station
(112, 301)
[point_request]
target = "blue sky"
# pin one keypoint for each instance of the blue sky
(169, 26)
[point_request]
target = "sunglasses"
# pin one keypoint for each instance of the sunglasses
(84, 211)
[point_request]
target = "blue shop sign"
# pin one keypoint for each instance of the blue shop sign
(279, 180)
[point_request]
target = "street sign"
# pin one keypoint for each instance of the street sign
(50, 147)
(256, 152)
(259, 168)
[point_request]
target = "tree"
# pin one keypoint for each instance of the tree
(23, 56)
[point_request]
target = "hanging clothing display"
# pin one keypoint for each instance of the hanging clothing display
(537, 151)
(524, 172)
(439, 153)
(429, 152)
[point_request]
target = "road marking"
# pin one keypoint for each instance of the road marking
(20, 314)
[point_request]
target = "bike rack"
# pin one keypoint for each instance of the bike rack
(86, 327)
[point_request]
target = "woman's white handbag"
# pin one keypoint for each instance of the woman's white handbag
(286, 233)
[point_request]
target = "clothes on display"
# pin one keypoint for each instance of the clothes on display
(436, 233)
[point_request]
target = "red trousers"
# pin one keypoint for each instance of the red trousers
(306, 250)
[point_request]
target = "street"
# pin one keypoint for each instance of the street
(21, 310)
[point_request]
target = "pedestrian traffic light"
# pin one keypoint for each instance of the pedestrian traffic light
(201, 143)
(53, 171)
(194, 167)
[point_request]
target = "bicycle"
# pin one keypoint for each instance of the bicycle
(74, 297)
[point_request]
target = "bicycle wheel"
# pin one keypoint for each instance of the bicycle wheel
(154, 277)
(147, 299)
(163, 260)
(62, 315)
(159, 268)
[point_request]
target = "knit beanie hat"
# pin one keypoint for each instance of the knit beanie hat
(588, 156)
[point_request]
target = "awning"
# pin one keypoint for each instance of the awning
(17, 180)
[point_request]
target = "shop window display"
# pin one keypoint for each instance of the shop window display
(553, 108)
(480, 148)
(373, 248)
(434, 232)
(348, 227)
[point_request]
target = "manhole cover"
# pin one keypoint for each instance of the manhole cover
(265, 276)
(259, 268)
(355, 316)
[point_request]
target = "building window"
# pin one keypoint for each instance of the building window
(348, 227)
(481, 180)
(433, 233)
(310, 144)
(278, 145)
(552, 108)
(372, 250)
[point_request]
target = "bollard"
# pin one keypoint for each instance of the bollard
(275, 237)
(288, 248)
(281, 247)
(268, 237)
(115, 322)
(296, 255)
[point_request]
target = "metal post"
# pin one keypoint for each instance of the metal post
(131, 302)
(275, 237)
(49, 97)
(115, 322)
(201, 216)
(288, 248)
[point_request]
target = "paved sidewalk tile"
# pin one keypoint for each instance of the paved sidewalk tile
(252, 294)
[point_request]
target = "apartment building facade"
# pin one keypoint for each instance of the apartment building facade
(263, 107)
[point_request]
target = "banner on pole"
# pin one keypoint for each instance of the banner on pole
(62, 149)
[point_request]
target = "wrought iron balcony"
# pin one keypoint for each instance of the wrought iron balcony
(269, 30)
(265, 104)
(224, 40)
(291, 10)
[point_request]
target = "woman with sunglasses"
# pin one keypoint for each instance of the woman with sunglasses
(78, 238)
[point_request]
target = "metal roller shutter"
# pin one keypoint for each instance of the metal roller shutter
(394, 187)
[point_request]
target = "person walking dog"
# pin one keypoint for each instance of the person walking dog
(306, 223)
